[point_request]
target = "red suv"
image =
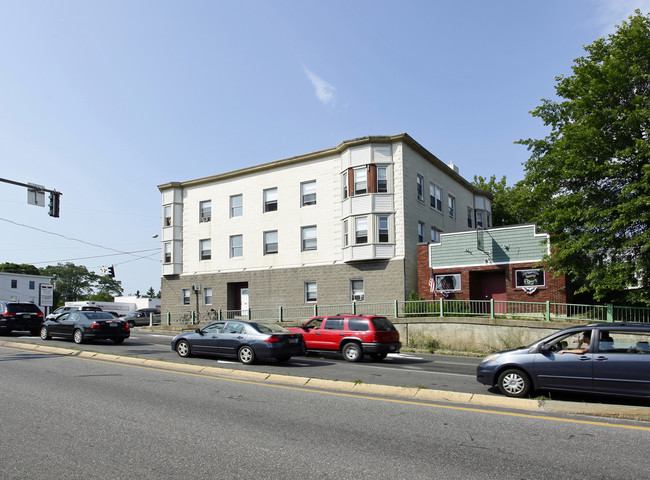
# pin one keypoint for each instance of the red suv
(351, 335)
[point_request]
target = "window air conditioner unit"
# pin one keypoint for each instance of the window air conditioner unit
(357, 297)
(205, 218)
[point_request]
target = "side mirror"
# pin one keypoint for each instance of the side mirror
(546, 348)
(198, 330)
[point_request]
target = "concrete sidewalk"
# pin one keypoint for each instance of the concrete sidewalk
(630, 412)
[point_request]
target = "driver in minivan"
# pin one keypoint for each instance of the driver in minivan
(585, 340)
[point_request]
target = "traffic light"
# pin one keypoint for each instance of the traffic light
(54, 204)
(111, 271)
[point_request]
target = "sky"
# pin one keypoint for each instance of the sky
(104, 100)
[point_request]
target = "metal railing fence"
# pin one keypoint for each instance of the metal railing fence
(539, 311)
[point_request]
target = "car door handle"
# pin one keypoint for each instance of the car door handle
(601, 358)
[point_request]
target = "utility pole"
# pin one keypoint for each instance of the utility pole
(36, 196)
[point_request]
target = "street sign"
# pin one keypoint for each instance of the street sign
(46, 295)
(36, 195)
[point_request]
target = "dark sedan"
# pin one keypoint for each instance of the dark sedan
(246, 341)
(82, 326)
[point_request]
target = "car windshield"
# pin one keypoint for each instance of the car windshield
(269, 328)
(22, 307)
(382, 324)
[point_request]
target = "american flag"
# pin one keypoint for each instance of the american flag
(432, 283)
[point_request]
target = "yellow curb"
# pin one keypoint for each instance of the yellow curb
(384, 390)
(250, 375)
(136, 360)
(106, 357)
(505, 402)
(441, 395)
(86, 353)
(58, 350)
(287, 379)
(217, 371)
(330, 384)
(160, 364)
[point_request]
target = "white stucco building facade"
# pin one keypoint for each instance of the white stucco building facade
(332, 226)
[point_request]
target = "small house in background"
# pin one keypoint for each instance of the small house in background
(498, 263)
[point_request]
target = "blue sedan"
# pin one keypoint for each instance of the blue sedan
(246, 341)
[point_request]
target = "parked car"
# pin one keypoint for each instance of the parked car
(141, 317)
(351, 335)
(247, 341)
(20, 316)
(601, 358)
(82, 326)
(86, 308)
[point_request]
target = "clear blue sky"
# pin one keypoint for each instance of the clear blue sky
(104, 100)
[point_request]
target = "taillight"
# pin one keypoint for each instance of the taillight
(272, 339)
(96, 325)
(39, 314)
(127, 326)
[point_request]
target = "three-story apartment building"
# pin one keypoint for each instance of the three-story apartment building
(332, 226)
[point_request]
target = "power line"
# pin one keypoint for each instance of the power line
(98, 256)
(76, 239)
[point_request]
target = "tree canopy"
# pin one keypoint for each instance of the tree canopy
(590, 177)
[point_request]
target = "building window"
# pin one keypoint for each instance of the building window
(479, 219)
(168, 252)
(205, 211)
(435, 235)
(270, 242)
(270, 200)
(446, 283)
(207, 296)
(361, 230)
(356, 290)
(311, 292)
(32, 285)
(236, 205)
(435, 197)
(14, 283)
(308, 193)
(360, 180)
(383, 229)
(382, 179)
(345, 233)
(308, 238)
(167, 215)
(470, 215)
(345, 185)
(186, 296)
(236, 246)
(205, 249)
(489, 220)
(420, 188)
(531, 277)
(420, 232)
(452, 206)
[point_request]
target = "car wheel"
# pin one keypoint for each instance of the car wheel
(378, 356)
(246, 355)
(352, 352)
(514, 383)
(45, 335)
(183, 348)
(118, 340)
(78, 336)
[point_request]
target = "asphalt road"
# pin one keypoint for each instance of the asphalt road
(439, 372)
(79, 418)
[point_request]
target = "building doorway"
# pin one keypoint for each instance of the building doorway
(490, 286)
(238, 300)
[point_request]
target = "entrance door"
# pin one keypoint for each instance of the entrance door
(492, 285)
(243, 295)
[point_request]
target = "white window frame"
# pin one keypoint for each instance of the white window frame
(454, 278)
(207, 296)
(357, 294)
(308, 238)
(383, 229)
(186, 297)
(360, 180)
(271, 242)
(420, 188)
(420, 232)
(236, 246)
(236, 205)
(345, 185)
(346, 236)
(271, 199)
(451, 201)
(311, 292)
(435, 235)
(435, 197)
(470, 217)
(167, 216)
(382, 179)
(205, 249)
(479, 219)
(308, 193)
(359, 224)
(205, 211)
(167, 252)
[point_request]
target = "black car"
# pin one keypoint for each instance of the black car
(81, 326)
(20, 316)
(247, 341)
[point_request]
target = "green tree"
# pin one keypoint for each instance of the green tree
(510, 205)
(151, 293)
(108, 287)
(71, 282)
(590, 177)
(22, 268)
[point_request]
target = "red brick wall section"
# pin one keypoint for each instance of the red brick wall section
(554, 291)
